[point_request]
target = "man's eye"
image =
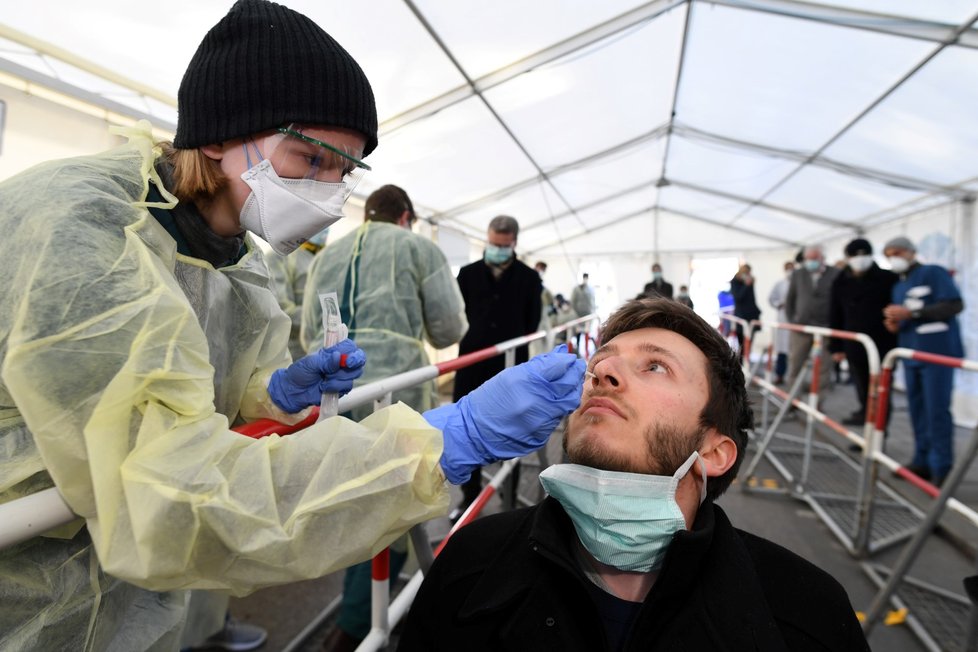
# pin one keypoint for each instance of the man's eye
(658, 368)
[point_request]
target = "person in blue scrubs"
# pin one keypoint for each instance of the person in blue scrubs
(923, 314)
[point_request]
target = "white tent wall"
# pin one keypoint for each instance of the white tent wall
(36, 129)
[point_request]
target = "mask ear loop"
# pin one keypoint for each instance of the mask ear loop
(244, 145)
(687, 465)
(702, 465)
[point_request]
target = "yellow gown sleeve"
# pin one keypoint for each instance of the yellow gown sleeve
(108, 366)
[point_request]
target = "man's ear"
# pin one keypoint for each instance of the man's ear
(718, 452)
(215, 151)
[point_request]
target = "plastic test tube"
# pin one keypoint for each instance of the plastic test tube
(334, 331)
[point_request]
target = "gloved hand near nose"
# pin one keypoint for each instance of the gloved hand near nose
(510, 415)
(329, 370)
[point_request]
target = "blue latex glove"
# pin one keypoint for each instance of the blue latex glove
(330, 370)
(510, 415)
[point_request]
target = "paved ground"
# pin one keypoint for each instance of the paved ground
(946, 559)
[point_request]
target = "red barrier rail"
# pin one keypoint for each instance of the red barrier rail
(360, 395)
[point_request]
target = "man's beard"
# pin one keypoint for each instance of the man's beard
(667, 447)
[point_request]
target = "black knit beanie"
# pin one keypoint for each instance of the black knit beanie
(859, 247)
(265, 66)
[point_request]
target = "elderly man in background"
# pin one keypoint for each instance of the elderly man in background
(502, 301)
(658, 286)
(808, 302)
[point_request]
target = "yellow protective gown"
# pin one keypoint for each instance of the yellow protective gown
(121, 363)
(396, 290)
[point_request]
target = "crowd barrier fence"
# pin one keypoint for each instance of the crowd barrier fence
(889, 581)
(914, 524)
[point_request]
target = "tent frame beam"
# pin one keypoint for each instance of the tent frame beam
(650, 210)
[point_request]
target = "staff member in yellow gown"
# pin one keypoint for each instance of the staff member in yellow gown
(136, 327)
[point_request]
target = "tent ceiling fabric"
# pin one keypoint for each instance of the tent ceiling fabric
(612, 128)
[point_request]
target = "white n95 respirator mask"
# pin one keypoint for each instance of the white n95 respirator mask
(860, 264)
(287, 212)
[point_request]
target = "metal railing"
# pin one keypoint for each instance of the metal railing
(858, 538)
(944, 501)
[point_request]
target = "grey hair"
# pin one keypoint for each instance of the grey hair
(815, 248)
(505, 224)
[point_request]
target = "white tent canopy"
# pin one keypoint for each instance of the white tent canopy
(606, 128)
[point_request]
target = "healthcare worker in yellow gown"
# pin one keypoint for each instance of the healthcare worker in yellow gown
(136, 327)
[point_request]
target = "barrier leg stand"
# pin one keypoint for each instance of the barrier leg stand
(866, 490)
(876, 414)
(422, 547)
(510, 357)
(971, 638)
(769, 435)
(765, 392)
(508, 496)
(380, 597)
(816, 358)
(765, 409)
(912, 549)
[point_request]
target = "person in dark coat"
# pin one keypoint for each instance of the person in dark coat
(745, 304)
(658, 286)
(630, 551)
(502, 301)
(859, 295)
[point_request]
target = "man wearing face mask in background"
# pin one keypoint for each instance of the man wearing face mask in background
(808, 303)
(923, 315)
(859, 295)
(630, 551)
(658, 286)
(502, 301)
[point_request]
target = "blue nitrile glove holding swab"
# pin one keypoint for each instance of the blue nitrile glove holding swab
(510, 415)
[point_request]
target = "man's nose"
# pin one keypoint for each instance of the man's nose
(606, 373)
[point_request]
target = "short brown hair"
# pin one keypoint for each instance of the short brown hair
(727, 407)
(387, 204)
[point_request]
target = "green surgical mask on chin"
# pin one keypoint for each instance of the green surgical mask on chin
(625, 520)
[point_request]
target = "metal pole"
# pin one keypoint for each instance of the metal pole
(769, 435)
(422, 547)
(815, 356)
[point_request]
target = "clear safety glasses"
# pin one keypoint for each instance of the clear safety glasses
(295, 154)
